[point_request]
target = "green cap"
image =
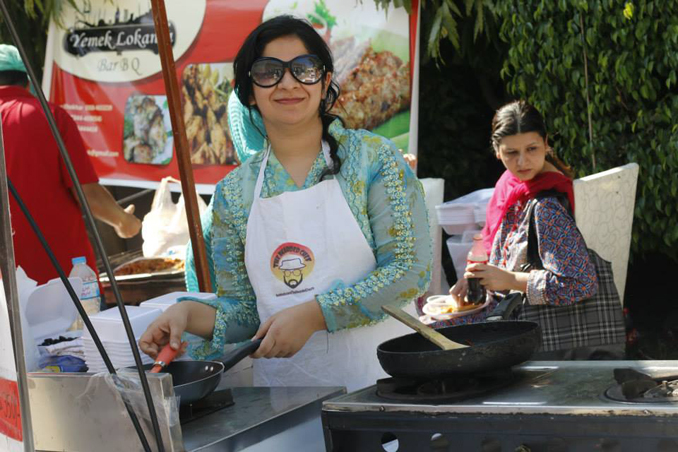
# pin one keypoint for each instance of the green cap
(10, 60)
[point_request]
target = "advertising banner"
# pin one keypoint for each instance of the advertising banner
(11, 436)
(104, 69)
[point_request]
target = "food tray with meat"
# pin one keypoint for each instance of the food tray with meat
(146, 268)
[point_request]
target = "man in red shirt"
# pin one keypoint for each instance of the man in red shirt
(37, 171)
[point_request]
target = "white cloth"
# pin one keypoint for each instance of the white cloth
(300, 244)
(67, 348)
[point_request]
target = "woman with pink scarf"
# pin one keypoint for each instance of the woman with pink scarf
(568, 275)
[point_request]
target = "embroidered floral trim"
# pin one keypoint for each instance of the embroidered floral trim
(352, 175)
(228, 254)
(404, 256)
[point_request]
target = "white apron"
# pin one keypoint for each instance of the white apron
(300, 244)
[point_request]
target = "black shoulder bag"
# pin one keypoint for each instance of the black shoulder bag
(591, 322)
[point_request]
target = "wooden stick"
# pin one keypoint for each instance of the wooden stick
(181, 144)
(423, 329)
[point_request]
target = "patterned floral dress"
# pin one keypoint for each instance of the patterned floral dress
(569, 275)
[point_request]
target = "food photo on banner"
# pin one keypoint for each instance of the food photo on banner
(103, 68)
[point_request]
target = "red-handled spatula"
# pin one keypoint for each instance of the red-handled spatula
(166, 356)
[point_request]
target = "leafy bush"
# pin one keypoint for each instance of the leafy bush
(604, 75)
(31, 19)
(31, 31)
(454, 130)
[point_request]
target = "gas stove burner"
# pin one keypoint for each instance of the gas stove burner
(637, 387)
(216, 401)
(444, 390)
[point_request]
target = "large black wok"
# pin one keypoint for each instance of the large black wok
(493, 345)
(194, 380)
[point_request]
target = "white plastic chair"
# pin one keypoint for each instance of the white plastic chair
(434, 190)
(604, 204)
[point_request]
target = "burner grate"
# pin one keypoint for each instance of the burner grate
(637, 387)
(445, 390)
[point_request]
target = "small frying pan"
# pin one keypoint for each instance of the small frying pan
(194, 380)
(492, 345)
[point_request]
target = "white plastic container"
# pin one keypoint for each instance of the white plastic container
(165, 301)
(89, 294)
(108, 324)
(456, 218)
(46, 312)
(464, 213)
(50, 310)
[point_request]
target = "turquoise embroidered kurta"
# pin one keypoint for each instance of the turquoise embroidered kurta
(387, 201)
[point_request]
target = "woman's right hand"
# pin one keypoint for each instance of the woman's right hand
(459, 290)
(167, 328)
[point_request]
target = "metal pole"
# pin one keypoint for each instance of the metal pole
(7, 266)
(79, 307)
(90, 221)
(181, 144)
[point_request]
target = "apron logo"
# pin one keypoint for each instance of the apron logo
(291, 262)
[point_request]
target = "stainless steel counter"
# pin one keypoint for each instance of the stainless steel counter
(287, 417)
(544, 387)
(547, 406)
(81, 412)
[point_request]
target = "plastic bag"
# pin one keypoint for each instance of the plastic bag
(127, 384)
(165, 227)
(24, 286)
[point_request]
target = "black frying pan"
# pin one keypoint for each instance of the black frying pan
(493, 345)
(194, 380)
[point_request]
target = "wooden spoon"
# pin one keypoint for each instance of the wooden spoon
(423, 329)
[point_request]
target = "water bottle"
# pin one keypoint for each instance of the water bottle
(476, 291)
(89, 295)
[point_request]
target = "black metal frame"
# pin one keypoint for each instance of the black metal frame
(89, 218)
(366, 431)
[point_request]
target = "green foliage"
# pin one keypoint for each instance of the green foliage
(444, 22)
(31, 19)
(630, 53)
(32, 30)
(407, 4)
(454, 130)
(322, 15)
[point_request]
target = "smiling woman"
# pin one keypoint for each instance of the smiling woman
(311, 235)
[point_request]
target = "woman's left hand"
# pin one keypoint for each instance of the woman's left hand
(287, 331)
(494, 278)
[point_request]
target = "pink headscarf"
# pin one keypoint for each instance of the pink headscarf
(509, 189)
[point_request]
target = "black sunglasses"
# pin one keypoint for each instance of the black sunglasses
(268, 71)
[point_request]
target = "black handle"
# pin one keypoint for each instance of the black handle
(235, 356)
(506, 307)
